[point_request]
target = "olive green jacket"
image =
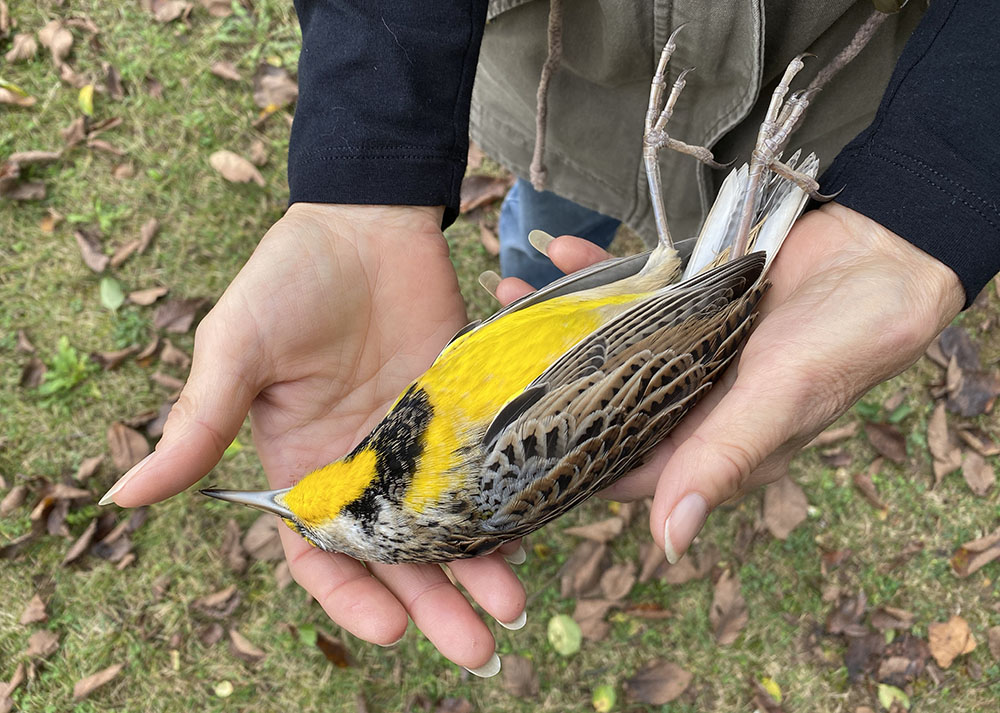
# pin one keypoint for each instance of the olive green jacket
(598, 97)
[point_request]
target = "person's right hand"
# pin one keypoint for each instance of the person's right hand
(336, 312)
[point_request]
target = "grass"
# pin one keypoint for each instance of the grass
(142, 616)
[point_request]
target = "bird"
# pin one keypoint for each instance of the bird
(531, 411)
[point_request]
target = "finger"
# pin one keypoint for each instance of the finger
(494, 586)
(570, 253)
(204, 421)
(440, 611)
(715, 462)
(512, 288)
(513, 551)
(346, 590)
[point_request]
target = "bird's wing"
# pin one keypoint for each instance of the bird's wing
(598, 410)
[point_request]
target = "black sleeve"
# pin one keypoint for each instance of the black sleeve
(384, 93)
(928, 168)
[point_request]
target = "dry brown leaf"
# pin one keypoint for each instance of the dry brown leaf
(972, 556)
(167, 381)
(88, 467)
(489, 239)
(85, 686)
(177, 315)
(333, 650)
(173, 356)
(785, 507)
(903, 661)
(692, 567)
(28, 158)
(13, 500)
(262, 541)
(123, 252)
(154, 429)
(885, 618)
(22, 190)
(123, 171)
(75, 132)
(833, 435)
(887, 440)
(863, 482)
(82, 543)
(601, 531)
(42, 644)
(282, 575)
(979, 440)
(169, 10)
(147, 232)
(582, 571)
(24, 344)
(32, 373)
(978, 474)
(273, 88)
(618, 580)
(58, 39)
(231, 549)
(519, 677)
(950, 639)
(106, 146)
(589, 614)
(13, 98)
(7, 689)
(993, 642)
(657, 683)
(241, 648)
(23, 47)
(945, 454)
(258, 153)
(218, 8)
(728, 614)
(218, 605)
(147, 296)
(226, 70)
(34, 612)
(112, 360)
(235, 168)
(210, 634)
(478, 191)
(475, 157)
(90, 250)
(127, 446)
(55, 521)
(113, 81)
(845, 618)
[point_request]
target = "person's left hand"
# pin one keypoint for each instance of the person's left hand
(851, 305)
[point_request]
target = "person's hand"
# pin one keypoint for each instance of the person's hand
(336, 312)
(851, 305)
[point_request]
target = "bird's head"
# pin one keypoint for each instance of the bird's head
(325, 507)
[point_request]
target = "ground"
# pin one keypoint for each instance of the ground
(175, 113)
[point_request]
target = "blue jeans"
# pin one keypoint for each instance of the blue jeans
(525, 209)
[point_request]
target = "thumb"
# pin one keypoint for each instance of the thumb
(202, 423)
(736, 439)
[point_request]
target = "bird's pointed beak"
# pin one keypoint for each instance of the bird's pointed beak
(265, 500)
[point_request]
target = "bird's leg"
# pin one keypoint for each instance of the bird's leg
(775, 130)
(656, 137)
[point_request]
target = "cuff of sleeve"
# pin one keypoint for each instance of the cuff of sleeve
(943, 210)
(390, 178)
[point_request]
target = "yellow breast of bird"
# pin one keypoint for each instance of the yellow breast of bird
(481, 371)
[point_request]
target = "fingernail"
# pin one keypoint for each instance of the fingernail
(390, 645)
(487, 670)
(540, 240)
(518, 623)
(489, 281)
(683, 524)
(518, 556)
(131, 473)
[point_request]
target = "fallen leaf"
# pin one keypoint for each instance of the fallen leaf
(82, 543)
(489, 240)
(167, 381)
(480, 190)
(258, 153)
(589, 614)
(903, 661)
(177, 315)
(220, 604)
(85, 99)
(945, 454)
(282, 575)
(218, 8)
(24, 344)
(123, 171)
(582, 571)
(454, 705)
(127, 446)
(235, 168)
(978, 440)
(887, 440)
(763, 700)
(993, 642)
(785, 507)
(950, 639)
(154, 429)
(885, 618)
(618, 580)
(23, 47)
(88, 466)
(273, 87)
(7, 689)
(226, 70)
(57, 39)
(85, 686)
(728, 614)
(333, 650)
(601, 531)
(241, 648)
(147, 232)
(974, 555)
(75, 132)
(15, 96)
(657, 683)
(165, 11)
(29, 158)
(692, 567)
(863, 482)
(17, 190)
(112, 294)
(231, 549)
(210, 634)
(147, 296)
(845, 618)
(42, 644)
(123, 252)
(32, 373)
(475, 157)
(262, 541)
(55, 521)
(833, 435)
(978, 474)
(113, 81)
(836, 457)
(34, 612)
(153, 87)
(90, 250)
(519, 677)
(13, 500)
(173, 356)
(106, 146)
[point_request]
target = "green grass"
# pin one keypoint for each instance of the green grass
(208, 228)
